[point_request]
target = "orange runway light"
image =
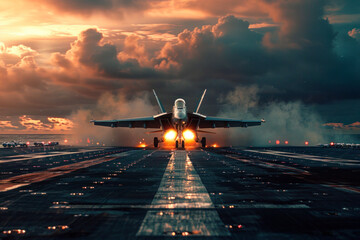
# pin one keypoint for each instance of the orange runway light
(332, 144)
(306, 143)
(215, 145)
(189, 135)
(170, 135)
(286, 142)
(277, 142)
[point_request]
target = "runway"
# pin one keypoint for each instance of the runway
(219, 193)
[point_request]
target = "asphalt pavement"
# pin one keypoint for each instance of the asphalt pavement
(216, 193)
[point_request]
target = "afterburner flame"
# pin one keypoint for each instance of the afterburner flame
(189, 135)
(170, 135)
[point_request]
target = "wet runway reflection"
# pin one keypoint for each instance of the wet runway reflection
(183, 203)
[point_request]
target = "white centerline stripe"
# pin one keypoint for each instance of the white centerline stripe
(187, 207)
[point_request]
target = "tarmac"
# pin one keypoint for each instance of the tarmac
(67, 192)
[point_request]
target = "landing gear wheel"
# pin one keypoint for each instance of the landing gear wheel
(177, 144)
(203, 142)
(183, 144)
(156, 142)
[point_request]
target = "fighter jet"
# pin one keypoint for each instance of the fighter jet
(179, 125)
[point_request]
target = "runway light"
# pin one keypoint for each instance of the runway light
(277, 142)
(332, 144)
(286, 142)
(306, 143)
(214, 145)
(188, 134)
(65, 141)
(170, 135)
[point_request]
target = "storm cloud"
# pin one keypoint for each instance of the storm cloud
(295, 55)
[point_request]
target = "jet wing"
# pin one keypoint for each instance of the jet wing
(201, 121)
(157, 121)
(215, 122)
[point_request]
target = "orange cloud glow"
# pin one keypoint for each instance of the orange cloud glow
(7, 124)
(61, 124)
(54, 125)
(352, 126)
(31, 124)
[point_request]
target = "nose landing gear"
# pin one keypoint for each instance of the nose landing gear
(182, 144)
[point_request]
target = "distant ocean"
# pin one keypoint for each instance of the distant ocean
(31, 138)
(343, 138)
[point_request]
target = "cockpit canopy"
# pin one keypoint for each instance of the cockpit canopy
(180, 103)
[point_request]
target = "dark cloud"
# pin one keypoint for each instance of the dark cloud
(349, 7)
(228, 49)
(295, 62)
(101, 58)
(303, 59)
(27, 88)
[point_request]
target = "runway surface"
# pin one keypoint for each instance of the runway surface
(222, 193)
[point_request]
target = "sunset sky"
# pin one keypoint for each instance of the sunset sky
(61, 57)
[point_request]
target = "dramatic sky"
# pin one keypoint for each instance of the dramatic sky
(59, 59)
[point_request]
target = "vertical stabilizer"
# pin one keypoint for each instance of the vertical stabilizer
(162, 109)
(199, 104)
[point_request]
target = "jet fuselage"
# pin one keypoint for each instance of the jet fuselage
(179, 117)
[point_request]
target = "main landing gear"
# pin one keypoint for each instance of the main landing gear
(203, 142)
(156, 142)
